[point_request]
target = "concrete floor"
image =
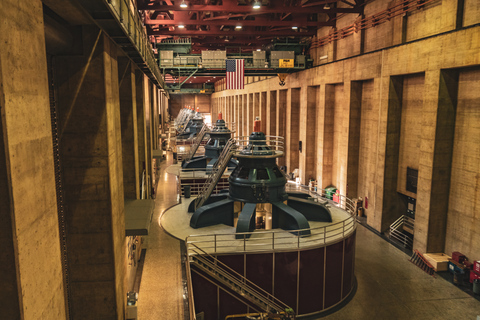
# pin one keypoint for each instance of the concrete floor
(389, 286)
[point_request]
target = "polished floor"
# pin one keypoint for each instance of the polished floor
(389, 286)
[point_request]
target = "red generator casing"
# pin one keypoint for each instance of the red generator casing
(459, 257)
(474, 275)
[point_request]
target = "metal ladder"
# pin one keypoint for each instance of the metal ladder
(229, 278)
(196, 143)
(217, 172)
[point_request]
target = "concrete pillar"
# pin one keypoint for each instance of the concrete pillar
(293, 130)
(281, 111)
(340, 136)
(263, 111)
(256, 107)
(250, 113)
(91, 153)
(390, 206)
(436, 148)
(244, 115)
(235, 112)
(308, 132)
(354, 138)
(128, 118)
(140, 83)
(30, 260)
(272, 113)
(148, 101)
(326, 119)
(239, 106)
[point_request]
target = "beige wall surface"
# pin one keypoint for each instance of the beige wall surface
(179, 101)
(409, 62)
(463, 228)
(410, 130)
(28, 158)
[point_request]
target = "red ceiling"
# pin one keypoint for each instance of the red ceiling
(210, 22)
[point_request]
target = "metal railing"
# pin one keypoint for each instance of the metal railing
(228, 276)
(217, 172)
(195, 179)
(272, 145)
(197, 141)
(131, 22)
(398, 229)
(271, 240)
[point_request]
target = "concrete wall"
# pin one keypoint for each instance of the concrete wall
(410, 129)
(463, 227)
(178, 101)
(30, 261)
(402, 99)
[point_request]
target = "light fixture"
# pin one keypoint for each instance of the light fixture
(256, 4)
(181, 26)
(294, 27)
(238, 27)
(259, 49)
(326, 6)
(183, 4)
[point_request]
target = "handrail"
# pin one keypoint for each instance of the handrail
(275, 144)
(142, 192)
(274, 240)
(271, 240)
(196, 143)
(129, 19)
(217, 171)
(398, 235)
(219, 267)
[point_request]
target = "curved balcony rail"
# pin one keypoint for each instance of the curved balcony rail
(277, 240)
(271, 146)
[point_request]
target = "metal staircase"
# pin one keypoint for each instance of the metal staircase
(228, 278)
(183, 123)
(217, 172)
(196, 143)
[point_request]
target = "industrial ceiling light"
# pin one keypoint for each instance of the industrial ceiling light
(294, 27)
(326, 6)
(238, 27)
(181, 26)
(259, 50)
(183, 4)
(256, 4)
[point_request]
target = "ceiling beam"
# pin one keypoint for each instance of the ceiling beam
(192, 33)
(243, 23)
(248, 9)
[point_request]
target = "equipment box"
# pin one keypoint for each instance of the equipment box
(329, 192)
(476, 266)
(439, 261)
(474, 275)
(458, 256)
(454, 267)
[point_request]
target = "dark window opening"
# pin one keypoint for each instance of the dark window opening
(277, 172)
(244, 173)
(262, 174)
(412, 178)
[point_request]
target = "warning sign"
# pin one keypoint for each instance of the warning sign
(285, 63)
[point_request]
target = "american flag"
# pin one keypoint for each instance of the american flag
(235, 73)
